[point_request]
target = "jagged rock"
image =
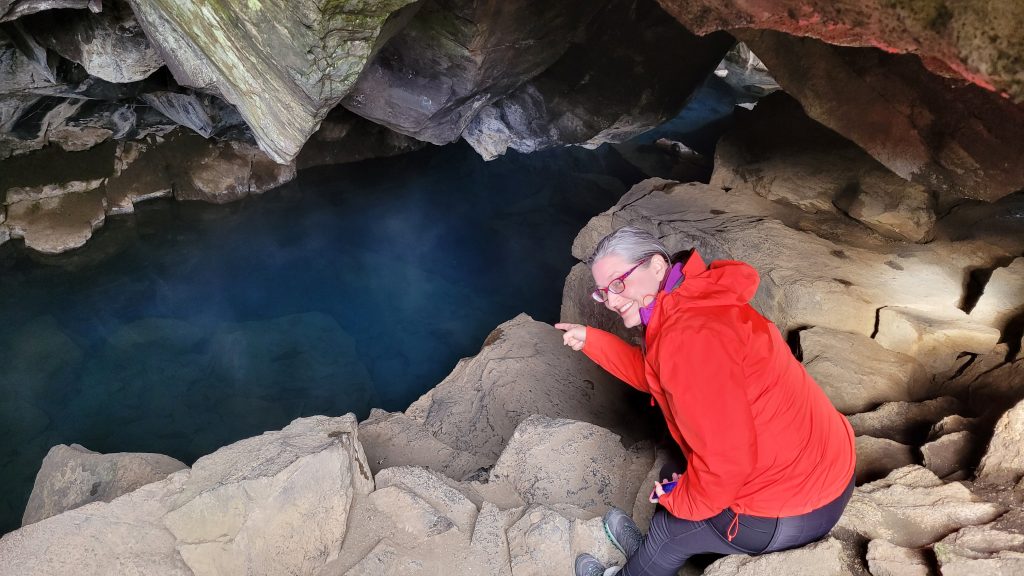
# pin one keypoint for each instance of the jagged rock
(434, 490)
(605, 88)
(13, 9)
(485, 48)
(784, 156)
(951, 454)
(886, 559)
(394, 439)
(410, 512)
(907, 118)
(1004, 460)
(951, 424)
(548, 538)
(815, 269)
(490, 543)
(935, 338)
(995, 549)
(978, 50)
(73, 476)
(522, 369)
(109, 44)
(877, 457)
(906, 422)
(827, 557)
(857, 373)
(556, 461)
(1003, 298)
(284, 66)
(911, 507)
(891, 206)
(245, 509)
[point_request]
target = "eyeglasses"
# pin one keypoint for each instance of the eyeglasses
(617, 285)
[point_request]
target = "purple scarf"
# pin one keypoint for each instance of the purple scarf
(674, 279)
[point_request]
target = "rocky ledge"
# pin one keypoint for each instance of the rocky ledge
(906, 315)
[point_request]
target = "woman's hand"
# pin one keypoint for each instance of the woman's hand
(659, 491)
(575, 335)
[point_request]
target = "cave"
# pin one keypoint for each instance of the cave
(279, 278)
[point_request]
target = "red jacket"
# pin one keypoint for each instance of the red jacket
(758, 433)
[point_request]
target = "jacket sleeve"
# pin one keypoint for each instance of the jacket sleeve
(623, 361)
(701, 369)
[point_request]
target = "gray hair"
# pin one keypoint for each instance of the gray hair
(630, 243)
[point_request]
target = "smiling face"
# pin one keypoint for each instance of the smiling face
(641, 286)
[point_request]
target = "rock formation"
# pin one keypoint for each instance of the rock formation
(976, 41)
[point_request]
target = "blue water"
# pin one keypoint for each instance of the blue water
(190, 326)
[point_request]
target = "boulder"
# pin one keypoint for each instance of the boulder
(110, 44)
(828, 557)
(994, 549)
(605, 88)
(547, 539)
(951, 454)
(557, 461)
(1003, 298)
(455, 57)
(245, 509)
(886, 559)
(394, 439)
(904, 116)
(490, 543)
(522, 369)
(912, 507)
(1003, 462)
(434, 490)
(906, 422)
(784, 156)
(957, 39)
(936, 338)
(890, 206)
(858, 374)
(877, 457)
(951, 424)
(409, 512)
(284, 66)
(816, 269)
(73, 476)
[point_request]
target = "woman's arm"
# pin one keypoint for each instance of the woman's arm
(701, 370)
(623, 361)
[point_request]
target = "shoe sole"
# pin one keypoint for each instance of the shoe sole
(611, 538)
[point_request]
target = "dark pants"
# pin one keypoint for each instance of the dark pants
(671, 541)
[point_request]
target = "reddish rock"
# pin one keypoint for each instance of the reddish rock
(979, 41)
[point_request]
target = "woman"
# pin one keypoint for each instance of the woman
(769, 460)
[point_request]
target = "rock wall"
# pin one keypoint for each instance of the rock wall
(977, 41)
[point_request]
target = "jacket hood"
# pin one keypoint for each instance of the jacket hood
(724, 282)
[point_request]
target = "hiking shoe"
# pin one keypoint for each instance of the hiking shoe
(623, 532)
(587, 565)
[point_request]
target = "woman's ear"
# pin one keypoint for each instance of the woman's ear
(660, 266)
